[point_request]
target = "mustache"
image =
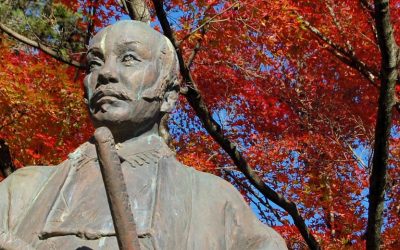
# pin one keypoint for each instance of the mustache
(109, 90)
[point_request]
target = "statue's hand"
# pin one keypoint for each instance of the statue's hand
(12, 242)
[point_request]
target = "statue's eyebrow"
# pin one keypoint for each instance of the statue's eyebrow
(94, 51)
(122, 46)
(138, 47)
(129, 43)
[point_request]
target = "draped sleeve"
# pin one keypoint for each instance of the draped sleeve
(218, 202)
(17, 192)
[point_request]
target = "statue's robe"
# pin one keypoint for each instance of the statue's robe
(175, 207)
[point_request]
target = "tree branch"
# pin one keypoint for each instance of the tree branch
(251, 191)
(41, 47)
(369, 7)
(343, 54)
(389, 74)
(348, 57)
(338, 26)
(195, 99)
(207, 22)
(193, 54)
(196, 49)
(137, 10)
(362, 70)
(89, 32)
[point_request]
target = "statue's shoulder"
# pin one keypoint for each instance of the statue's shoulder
(212, 181)
(30, 177)
(207, 184)
(18, 190)
(218, 189)
(222, 196)
(22, 187)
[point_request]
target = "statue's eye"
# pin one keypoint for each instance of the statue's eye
(129, 59)
(93, 64)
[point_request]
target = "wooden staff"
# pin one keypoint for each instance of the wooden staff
(117, 195)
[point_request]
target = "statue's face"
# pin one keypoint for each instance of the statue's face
(123, 62)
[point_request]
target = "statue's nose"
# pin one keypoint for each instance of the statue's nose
(107, 75)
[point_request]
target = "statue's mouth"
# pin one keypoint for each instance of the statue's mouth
(106, 95)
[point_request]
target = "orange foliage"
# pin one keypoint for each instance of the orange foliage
(43, 115)
(303, 118)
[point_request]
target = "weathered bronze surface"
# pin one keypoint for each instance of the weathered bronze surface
(131, 84)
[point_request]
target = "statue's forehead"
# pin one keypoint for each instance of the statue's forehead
(119, 36)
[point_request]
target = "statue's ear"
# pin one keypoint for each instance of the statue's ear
(169, 100)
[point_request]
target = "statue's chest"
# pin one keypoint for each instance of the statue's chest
(82, 209)
(79, 216)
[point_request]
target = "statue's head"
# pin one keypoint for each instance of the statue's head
(132, 78)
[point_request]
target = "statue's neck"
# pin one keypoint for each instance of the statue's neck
(128, 136)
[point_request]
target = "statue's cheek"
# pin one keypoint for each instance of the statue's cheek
(88, 85)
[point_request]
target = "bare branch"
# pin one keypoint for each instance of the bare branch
(195, 99)
(41, 47)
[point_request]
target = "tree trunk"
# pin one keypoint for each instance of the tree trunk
(6, 163)
(378, 179)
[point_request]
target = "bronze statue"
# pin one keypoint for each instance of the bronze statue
(132, 82)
